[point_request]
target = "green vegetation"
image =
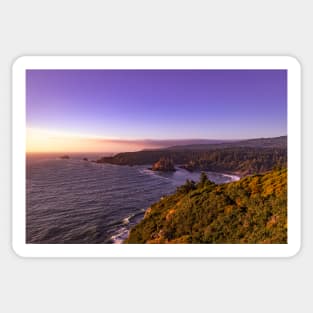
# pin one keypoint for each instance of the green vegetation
(252, 210)
(243, 157)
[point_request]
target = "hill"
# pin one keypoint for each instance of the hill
(252, 210)
(243, 158)
(276, 142)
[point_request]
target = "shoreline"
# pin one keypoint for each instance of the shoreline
(234, 175)
(123, 233)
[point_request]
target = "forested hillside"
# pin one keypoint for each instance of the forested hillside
(252, 210)
(244, 157)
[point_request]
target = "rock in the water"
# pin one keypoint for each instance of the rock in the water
(164, 165)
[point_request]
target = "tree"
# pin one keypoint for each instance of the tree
(203, 178)
(188, 186)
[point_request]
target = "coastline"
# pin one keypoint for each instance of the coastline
(123, 234)
(170, 221)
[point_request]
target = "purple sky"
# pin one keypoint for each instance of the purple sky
(159, 104)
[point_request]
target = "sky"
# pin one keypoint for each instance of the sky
(129, 110)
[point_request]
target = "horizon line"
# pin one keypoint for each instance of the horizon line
(157, 144)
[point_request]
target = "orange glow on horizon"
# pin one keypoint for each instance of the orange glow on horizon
(47, 141)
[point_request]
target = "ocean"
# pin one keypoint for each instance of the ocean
(77, 201)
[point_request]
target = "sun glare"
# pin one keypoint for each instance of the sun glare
(42, 140)
(47, 141)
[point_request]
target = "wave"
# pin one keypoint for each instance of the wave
(232, 177)
(123, 231)
(120, 236)
(154, 174)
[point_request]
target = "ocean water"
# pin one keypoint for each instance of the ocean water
(76, 201)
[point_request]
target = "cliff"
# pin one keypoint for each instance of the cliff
(164, 165)
(252, 210)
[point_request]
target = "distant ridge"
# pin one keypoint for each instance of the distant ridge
(167, 144)
(275, 142)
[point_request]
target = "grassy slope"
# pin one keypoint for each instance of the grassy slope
(252, 210)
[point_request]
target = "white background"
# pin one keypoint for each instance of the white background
(163, 28)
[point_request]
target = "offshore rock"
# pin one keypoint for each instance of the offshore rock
(164, 165)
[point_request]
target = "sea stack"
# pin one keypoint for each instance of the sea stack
(64, 157)
(164, 165)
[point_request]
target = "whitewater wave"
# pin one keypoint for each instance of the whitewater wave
(151, 173)
(120, 236)
(232, 177)
(122, 233)
(126, 220)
